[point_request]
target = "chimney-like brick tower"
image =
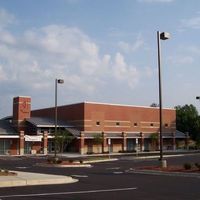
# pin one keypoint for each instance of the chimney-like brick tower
(21, 111)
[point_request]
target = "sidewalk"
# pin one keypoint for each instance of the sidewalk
(26, 179)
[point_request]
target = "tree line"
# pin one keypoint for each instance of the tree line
(188, 120)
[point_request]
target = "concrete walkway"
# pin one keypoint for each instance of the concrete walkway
(25, 179)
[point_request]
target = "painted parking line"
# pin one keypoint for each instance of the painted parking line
(118, 172)
(111, 168)
(69, 193)
(80, 176)
(21, 167)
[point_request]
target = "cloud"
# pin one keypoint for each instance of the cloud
(192, 23)
(181, 60)
(122, 71)
(129, 48)
(6, 18)
(34, 59)
(156, 1)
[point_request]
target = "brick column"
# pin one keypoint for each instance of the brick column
(21, 143)
(174, 140)
(104, 144)
(141, 141)
(187, 137)
(124, 144)
(82, 143)
(45, 142)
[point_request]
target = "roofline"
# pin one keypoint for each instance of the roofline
(104, 103)
(125, 105)
(22, 96)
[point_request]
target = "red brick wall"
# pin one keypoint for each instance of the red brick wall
(146, 118)
(130, 118)
(21, 111)
(14, 150)
(72, 114)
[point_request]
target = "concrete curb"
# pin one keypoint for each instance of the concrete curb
(154, 172)
(165, 156)
(63, 166)
(76, 164)
(27, 179)
(103, 160)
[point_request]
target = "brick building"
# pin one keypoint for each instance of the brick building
(121, 128)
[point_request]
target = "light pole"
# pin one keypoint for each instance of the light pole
(160, 36)
(57, 81)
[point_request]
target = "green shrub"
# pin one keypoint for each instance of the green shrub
(187, 166)
(197, 165)
(54, 160)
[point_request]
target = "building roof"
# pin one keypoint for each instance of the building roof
(6, 128)
(73, 131)
(180, 134)
(46, 122)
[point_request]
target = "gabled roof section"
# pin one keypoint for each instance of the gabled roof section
(6, 128)
(46, 122)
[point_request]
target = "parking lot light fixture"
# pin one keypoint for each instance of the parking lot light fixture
(160, 36)
(57, 81)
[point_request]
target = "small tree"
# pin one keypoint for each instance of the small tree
(154, 105)
(98, 139)
(63, 139)
(154, 139)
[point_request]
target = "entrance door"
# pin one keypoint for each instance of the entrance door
(27, 147)
(131, 144)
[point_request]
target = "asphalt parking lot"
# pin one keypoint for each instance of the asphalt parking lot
(108, 180)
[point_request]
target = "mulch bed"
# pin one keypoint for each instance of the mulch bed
(170, 169)
(65, 163)
(5, 173)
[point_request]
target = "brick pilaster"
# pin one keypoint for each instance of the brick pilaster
(45, 142)
(124, 144)
(141, 141)
(104, 144)
(21, 143)
(174, 140)
(82, 143)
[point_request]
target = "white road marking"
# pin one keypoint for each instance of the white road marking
(21, 167)
(118, 172)
(79, 176)
(65, 193)
(113, 168)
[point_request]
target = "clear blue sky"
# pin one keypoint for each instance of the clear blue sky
(105, 50)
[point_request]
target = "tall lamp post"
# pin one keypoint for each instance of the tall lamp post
(57, 81)
(161, 36)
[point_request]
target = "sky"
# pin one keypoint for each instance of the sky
(105, 50)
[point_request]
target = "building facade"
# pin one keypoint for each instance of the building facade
(96, 128)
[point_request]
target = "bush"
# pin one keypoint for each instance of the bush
(197, 165)
(187, 166)
(54, 160)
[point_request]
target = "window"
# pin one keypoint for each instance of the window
(135, 124)
(151, 124)
(117, 123)
(98, 123)
(166, 125)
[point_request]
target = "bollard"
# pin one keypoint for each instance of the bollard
(163, 163)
